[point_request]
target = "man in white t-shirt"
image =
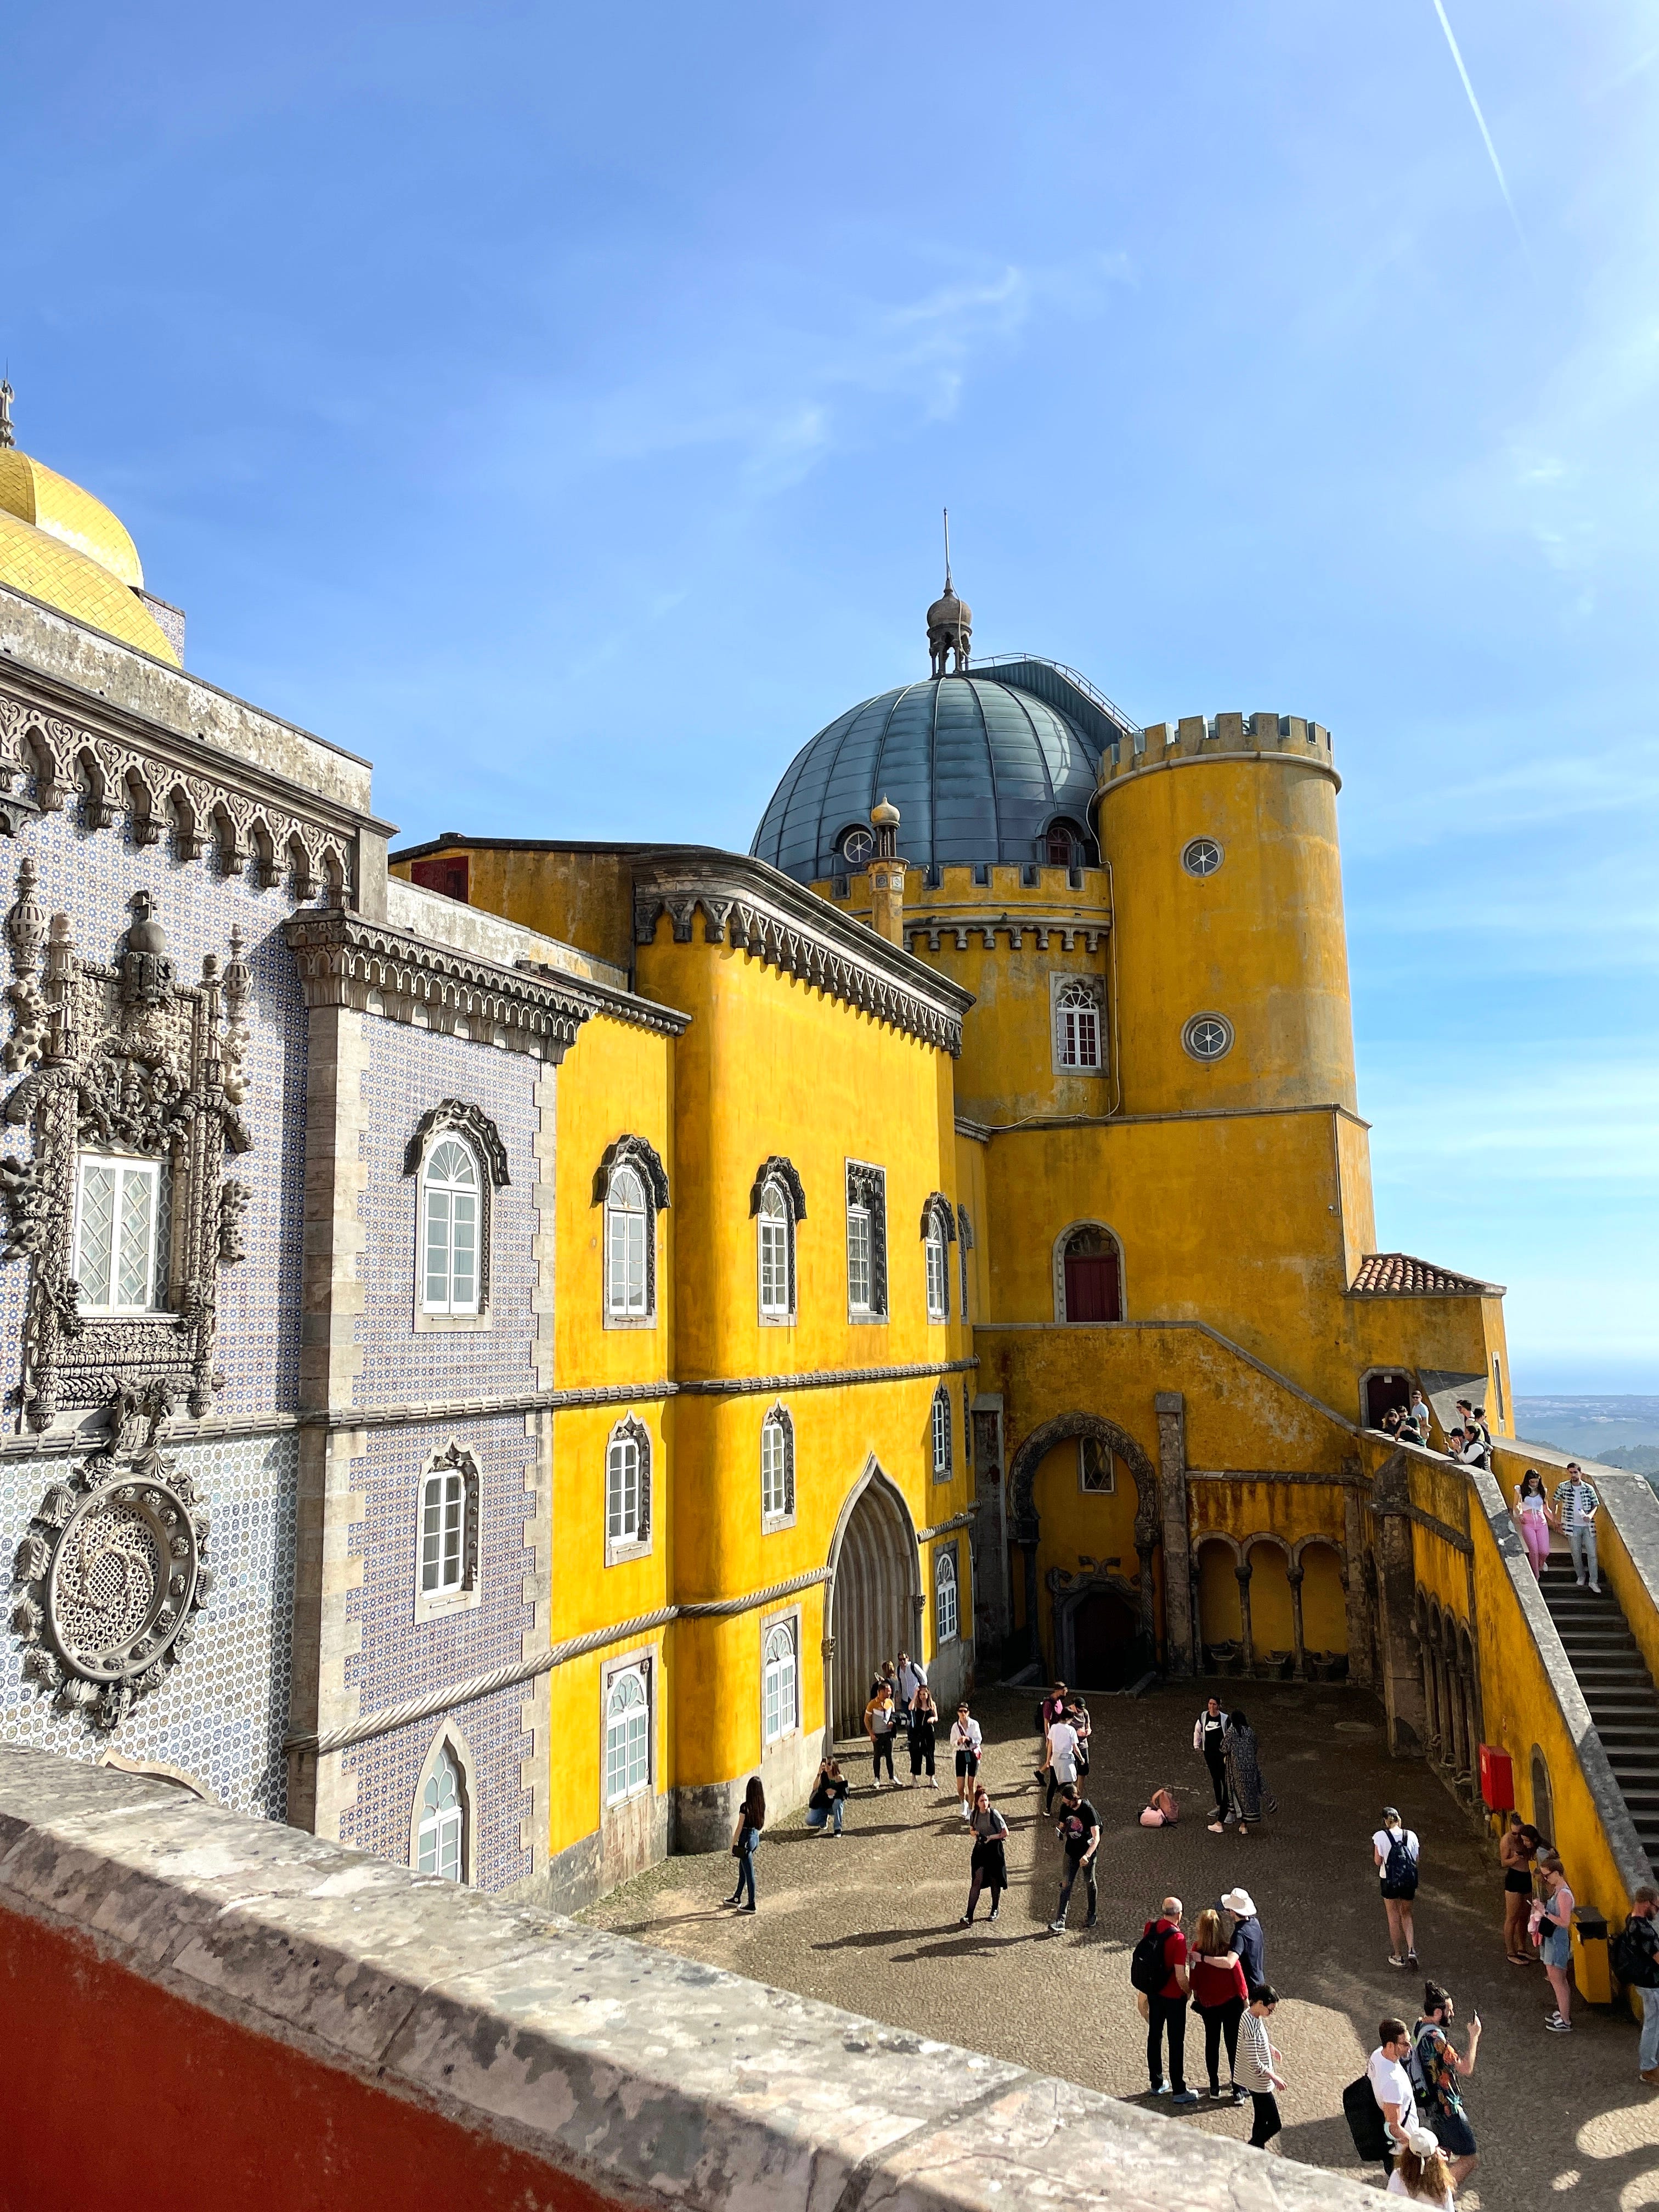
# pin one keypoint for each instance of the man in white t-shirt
(1059, 1756)
(912, 1675)
(1391, 2085)
(1395, 1848)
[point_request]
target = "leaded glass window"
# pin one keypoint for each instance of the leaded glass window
(442, 1835)
(627, 1735)
(120, 1234)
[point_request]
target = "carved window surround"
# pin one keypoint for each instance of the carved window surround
(120, 1058)
(189, 799)
(484, 1138)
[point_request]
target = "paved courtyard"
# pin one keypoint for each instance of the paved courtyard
(870, 1924)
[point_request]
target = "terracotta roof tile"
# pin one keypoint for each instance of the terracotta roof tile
(1398, 1275)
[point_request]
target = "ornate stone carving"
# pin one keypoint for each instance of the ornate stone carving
(233, 1205)
(472, 1122)
(131, 1062)
(641, 1154)
(107, 1583)
(777, 1169)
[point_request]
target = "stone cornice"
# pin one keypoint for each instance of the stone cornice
(771, 917)
(187, 790)
(345, 960)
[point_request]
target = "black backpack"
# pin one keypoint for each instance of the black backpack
(1147, 1972)
(1400, 1866)
(1365, 2121)
(1632, 1960)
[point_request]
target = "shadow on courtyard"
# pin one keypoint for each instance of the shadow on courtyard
(871, 1924)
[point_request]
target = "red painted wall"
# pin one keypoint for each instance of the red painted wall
(115, 2092)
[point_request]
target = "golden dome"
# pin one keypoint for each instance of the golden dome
(36, 494)
(43, 564)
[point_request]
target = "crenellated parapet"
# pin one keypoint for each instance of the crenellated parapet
(1199, 737)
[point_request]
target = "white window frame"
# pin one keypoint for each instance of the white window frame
(622, 1312)
(866, 1215)
(939, 1429)
(451, 1744)
(1079, 1024)
(1211, 1024)
(454, 1468)
(633, 1772)
(778, 1434)
(1109, 1488)
(777, 1309)
(946, 1585)
(860, 1286)
(126, 1168)
(449, 1305)
(1195, 856)
(936, 1262)
(632, 1539)
(780, 1670)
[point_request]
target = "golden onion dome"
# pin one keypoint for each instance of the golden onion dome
(38, 494)
(43, 564)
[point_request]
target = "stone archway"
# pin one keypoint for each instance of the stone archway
(875, 1595)
(1025, 1523)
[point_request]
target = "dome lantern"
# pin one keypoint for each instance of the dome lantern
(7, 395)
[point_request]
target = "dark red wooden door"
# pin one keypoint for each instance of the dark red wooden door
(1091, 1287)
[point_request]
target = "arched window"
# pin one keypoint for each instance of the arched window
(440, 1838)
(1077, 1023)
(626, 1489)
(628, 1733)
(778, 1700)
(946, 1615)
(1090, 1286)
(941, 1432)
(449, 1224)
(446, 1536)
(628, 1236)
(938, 1278)
(777, 1469)
(772, 1242)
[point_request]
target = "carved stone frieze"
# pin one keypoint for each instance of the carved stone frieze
(130, 1064)
(110, 779)
(108, 1581)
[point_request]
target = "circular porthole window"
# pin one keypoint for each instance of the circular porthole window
(1208, 1037)
(857, 844)
(1201, 857)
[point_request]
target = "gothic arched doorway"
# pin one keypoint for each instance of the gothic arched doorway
(1107, 1649)
(875, 1590)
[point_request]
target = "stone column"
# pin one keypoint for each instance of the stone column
(1396, 1576)
(1179, 1628)
(331, 1299)
(1360, 1669)
(1293, 1574)
(827, 1649)
(1246, 1640)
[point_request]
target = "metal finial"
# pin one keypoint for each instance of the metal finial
(947, 552)
(7, 395)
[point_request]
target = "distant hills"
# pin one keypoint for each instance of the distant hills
(1619, 1432)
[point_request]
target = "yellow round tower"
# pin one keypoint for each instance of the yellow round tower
(1231, 959)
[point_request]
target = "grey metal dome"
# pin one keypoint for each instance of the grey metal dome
(980, 766)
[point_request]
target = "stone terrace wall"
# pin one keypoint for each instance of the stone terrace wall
(199, 2009)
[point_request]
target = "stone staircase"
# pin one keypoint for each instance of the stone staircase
(1618, 1689)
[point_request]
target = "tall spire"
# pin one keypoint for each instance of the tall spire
(7, 395)
(950, 621)
(948, 591)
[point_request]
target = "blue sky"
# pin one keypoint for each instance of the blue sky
(555, 406)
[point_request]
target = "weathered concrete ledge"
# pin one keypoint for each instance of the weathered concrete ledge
(326, 2016)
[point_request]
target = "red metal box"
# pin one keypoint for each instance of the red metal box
(1496, 1779)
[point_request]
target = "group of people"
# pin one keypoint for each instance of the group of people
(1572, 1509)
(1468, 1441)
(1230, 1750)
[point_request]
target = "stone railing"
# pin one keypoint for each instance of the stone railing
(201, 2011)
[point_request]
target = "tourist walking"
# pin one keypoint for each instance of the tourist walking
(1516, 1849)
(924, 1728)
(1219, 1995)
(1575, 1508)
(1397, 1849)
(1635, 1959)
(880, 1725)
(967, 1741)
(829, 1796)
(1077, 1714)
(1052, 1708)
(1079, 1836)
(1421, 2173)
(988, 1865)
(1247, 1938)
(1532, 1518)
(1250, 1793)
(1157, 1968)
(1555, 1946)
(1059, 1757)
(1391, 2086)
(1258, 2066)
(1209, 1733)
(1436, 2068)
(745, 1842)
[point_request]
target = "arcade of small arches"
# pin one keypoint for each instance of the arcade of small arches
(1451, 1690)
(1272, 1607)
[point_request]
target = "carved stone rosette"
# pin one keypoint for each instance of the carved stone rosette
(106, 1585)
(127, 1060)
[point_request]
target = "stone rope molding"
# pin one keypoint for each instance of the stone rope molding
(474, 1686)
(169, 800)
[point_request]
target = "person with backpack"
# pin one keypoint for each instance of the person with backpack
(1257, 2064)
(745, 1842)
(987, 1864)
(1633, 1955)
(1435, 2068)
(1079, 1836)
(1391, 2087)
(1396, 1850)
(1158, 1969)
(1209, 1737)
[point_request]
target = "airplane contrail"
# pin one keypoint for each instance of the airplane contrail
(1498, 166)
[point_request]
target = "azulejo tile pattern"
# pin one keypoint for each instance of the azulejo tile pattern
(388, 1772)
(221, 1715)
